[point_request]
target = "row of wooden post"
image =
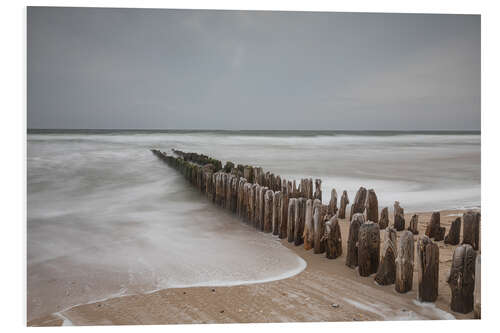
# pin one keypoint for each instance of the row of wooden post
(275, 205)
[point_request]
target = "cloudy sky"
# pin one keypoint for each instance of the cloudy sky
(185, 69)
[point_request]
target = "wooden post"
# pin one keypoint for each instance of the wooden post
(248, 173)
(471, 229)
(291, 219)
(453, 237)
(332, 206)
(332, 238)
(276, 212)
(310, 194)
(247, 193)
(434, 229)
(399, 217)
(262, 203)
(319, 225)
(209, 185)
(461, 279)
(300, 216)
(428, 269)
(358, 206)
(250, 201)
(317, 191)
(384, 218)
(413, 227)
(239, 209)
(253, 205)
(386, 273)
(368, 248)
(477, 288)
(372, 206)
(268, 211)
(224, 179)
(344, 201)
(256, 215)
(234, 194)
(284, 211)
(308, 234)
(404, 263)
(217, 188)
(352, 241)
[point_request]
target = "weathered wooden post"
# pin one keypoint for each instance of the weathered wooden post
(319, 225)
(308, 226)
(386, 273)
(428, 269)
(332, 206)
(247, 194)
(225, 180)
(276, 212)
(477, 288)
(248, 173)
(368, 248)
(268, 211)
(253, 204)
(453, 237)
(217, 188)
(262, 204)
(434, 229)
(228, 191)
(471, 229)
(300, 216)
(278, 182)
(310, 194)
(234, 194)
(332, 238)
(352, 241)
(284, 210)
(358, 206)
(344, 201)
(209, 185)
(384, 218)
(291, 219)
(256, 205)
(317, 191)
(413, 227)
(399, 217)
(250, 202)
(372, 206)
(461, 279)
(404, 263)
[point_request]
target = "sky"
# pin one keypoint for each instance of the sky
(112, 68)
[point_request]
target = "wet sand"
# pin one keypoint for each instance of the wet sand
(326, 290)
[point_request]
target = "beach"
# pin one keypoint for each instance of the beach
(109, 222)
(327, 290)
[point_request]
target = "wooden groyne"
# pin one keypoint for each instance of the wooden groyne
(294, 211)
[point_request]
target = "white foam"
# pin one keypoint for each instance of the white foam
(431, 309)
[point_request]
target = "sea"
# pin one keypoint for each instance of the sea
(106, 218)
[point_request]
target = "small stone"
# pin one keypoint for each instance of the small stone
(334, 305)
(213, 290)
(221, 311)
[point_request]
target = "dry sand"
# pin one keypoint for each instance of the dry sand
(327, 290)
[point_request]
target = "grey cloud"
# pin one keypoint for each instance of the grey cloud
(158, 68)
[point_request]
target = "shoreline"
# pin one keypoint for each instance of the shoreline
(326, 290)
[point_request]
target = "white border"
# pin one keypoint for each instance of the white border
(13, 140)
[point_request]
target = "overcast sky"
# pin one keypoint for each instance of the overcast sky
(186, 69)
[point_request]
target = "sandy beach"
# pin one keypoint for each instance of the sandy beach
(327, 290)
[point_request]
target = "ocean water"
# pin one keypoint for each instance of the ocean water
(107, 218)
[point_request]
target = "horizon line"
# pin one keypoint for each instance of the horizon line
(262, 130)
